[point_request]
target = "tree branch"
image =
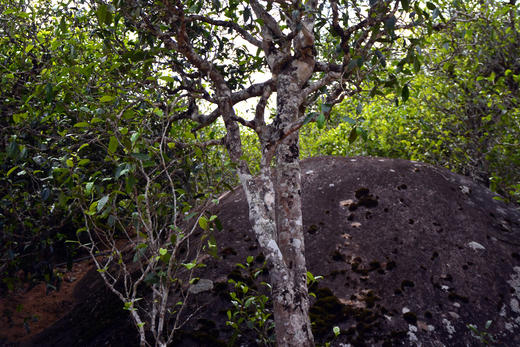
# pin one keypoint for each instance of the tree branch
(252, 91)
(327, 67)
(232, 25)
(329, 77)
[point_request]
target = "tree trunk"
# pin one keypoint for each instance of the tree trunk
(290, 298)
(277, 223)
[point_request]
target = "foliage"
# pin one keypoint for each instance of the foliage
(80, 118)
(38, 103)
(483, 336)
(111, 110)
(463, 111)
(87, 154)
(251, 312)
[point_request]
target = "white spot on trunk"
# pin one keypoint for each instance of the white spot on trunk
(475, 246)
(310, 172)
(269, 198)
(273, 247)
(331, 185)
(405, 310)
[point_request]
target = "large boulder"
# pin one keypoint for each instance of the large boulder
(409, 253)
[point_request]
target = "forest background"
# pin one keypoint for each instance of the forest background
(86, 140)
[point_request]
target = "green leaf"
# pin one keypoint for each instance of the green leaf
(212, 246)
(416, 64)
(189, 266)
(310, 117)
(203, 223)
(92, 209)
(249, 301)
(83, 162)
(363, 133)
(359, 108)
(390, 25)
(101, 203)
(11, 170)
(49, 92)
(141, 156)
(320, 121)
(29, 48)
(45, 194)
(405, 4)
(81, 125)
(405, 93)
(82, 146)
(250, 259)
(112, 144)
(134, 137)
(353, 135)
(163, 251)
(106, 98)
(167, 79)
(325, 108)
(88, 187)
(103, 14)
(336, 330)
(19, 117)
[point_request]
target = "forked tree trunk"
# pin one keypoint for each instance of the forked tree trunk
(277, 223)
(274, 200)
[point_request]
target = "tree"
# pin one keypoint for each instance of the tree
(463, 113)
(85, 155)
(210, 52)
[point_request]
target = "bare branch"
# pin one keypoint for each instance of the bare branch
(269, 21)
(228, 24)
(331, 76)
(260, 107)
(252, 91)
(249, 124)
(327, 67)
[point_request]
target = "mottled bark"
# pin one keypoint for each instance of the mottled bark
(290, 299)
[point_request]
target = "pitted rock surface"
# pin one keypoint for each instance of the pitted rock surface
(410, 254)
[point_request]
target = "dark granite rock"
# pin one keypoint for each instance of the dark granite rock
(410, 254)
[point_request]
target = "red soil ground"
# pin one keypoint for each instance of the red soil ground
(26, 312)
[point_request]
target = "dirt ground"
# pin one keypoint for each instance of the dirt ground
(27, 312)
